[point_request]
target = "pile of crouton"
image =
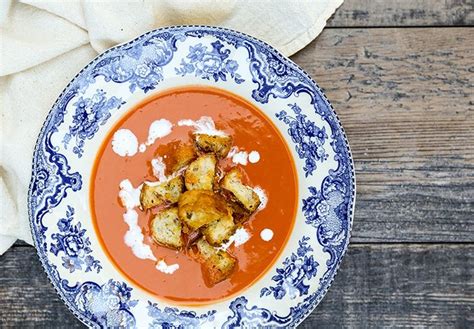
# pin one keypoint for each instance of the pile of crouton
(200, 206)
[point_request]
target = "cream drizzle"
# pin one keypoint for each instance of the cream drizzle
(124, 143)
(204, 125)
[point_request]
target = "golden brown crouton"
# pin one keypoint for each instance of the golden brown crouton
(219, 231)
(239, 213)
(200, 173)
(217, 264)
(183, 155)
(219, 145)
(197, 208)
(232, 182)
(166, 228)
(152, 195)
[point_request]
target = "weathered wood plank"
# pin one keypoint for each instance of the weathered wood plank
(358, 13)
(400, 286)
(378, 285)
(406, 100)
(27, 298)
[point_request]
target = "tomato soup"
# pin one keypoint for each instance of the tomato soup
(274, 173)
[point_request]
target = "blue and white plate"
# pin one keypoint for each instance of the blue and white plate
(113, 83)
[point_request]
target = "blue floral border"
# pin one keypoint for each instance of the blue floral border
(41, 200)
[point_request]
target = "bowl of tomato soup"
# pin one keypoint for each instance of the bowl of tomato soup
(192, 177)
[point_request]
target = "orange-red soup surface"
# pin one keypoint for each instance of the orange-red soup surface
(274, 172)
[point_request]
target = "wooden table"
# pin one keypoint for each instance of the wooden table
(400, 74)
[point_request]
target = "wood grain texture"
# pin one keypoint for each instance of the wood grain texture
(366, 13)
(402, 285)
(406, 100)
(27, 298)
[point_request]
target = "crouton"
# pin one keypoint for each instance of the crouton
(220, 230)
(152, 195)
(239, 213)
(183, 155)
(197, 208)
(166, 228)
(200, 173)
(219, 145)
(217, 264)
(232, 182)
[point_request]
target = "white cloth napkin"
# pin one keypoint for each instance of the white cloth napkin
(45, 43)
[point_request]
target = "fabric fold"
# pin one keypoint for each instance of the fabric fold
(25, 100)
(32, 36)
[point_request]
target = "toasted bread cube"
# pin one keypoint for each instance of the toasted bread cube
(166, 228)
(219, 145)
(183, 155)
(197, 208)
(152, 195)
(239, 213)
(218, 264)
(232, 182)
(173, 189)
(219, 231)
(200, 173)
